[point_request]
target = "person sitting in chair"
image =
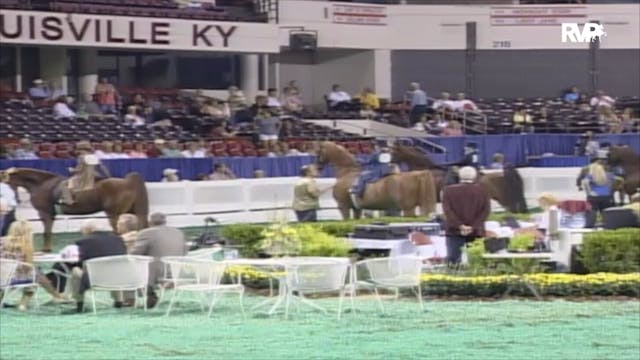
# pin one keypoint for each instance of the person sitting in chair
(87, 172)
(377, 168)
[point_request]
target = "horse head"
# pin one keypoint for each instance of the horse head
(623, 156)
(27, 178)
(336, 155)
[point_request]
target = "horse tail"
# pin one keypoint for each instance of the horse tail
(141, 203)
(514, 190)
(427, 196)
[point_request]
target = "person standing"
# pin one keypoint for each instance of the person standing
(598, 185)
(158, 241)
(306, 194)
(106, 96)
(9, 204)
(466, 207)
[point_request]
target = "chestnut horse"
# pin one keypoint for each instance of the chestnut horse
(404, 191)
(113, 196)
(506, 187)
(629, 160)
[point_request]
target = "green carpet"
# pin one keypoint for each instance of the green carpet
(446, 330)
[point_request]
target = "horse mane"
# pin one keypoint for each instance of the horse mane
(32, 176)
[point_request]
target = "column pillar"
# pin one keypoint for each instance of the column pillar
(249, 75)
(53, 66)
(88, 67)
(382, 73)
(18, 68)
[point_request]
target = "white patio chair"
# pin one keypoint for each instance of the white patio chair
(119, 273)
(315, 276)
(8, 268)
(200, 276)
(392, 273)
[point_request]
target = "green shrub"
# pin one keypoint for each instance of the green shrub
(521, 242)
(316, 242)
(616, 251)
(248, 236)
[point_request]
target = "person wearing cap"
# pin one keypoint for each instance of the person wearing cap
(9, 202)
(471, 156)
(158, 241)
(25, 151)
(466, 207)
(39, 91)
(378, 167)
(86, 173)
(170, 175)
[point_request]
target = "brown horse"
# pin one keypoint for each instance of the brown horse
(629, 160)
(506, 187)
(404, 191)
(113, 196)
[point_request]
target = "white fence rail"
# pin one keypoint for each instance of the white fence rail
(260, 200)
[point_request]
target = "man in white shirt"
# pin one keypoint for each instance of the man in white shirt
(272, 98)
(338, 98)
(61, 108)
(602, 101)
(462, 104)
(8, 203)
(444, 103)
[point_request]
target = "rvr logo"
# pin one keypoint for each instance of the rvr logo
(590, 32)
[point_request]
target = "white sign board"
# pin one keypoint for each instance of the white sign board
(50, 28)
(536, 15)
(359, 14)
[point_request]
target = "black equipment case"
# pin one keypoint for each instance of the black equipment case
(394, 231)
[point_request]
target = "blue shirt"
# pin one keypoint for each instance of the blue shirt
(38, 92)
(21, 154)
(418, 97)
(571, 97)
(600, 190)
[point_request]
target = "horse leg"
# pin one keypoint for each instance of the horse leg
(357, 213)
(409, 212)
(47, 221)
(345, 211)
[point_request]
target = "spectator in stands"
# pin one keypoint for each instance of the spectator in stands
(601, 101)
(94, 244)
(118, 150)
(157, 149)
(61, 108)
(304, 149)
(572, 96)
(306, 194)
(293, 85)
(172, 150)
(215, 109)
(338, 99)
(10, 202)
(18, 245)
(170, 175)
(292, 102)
(422, 125)
(598, 185)
(444, 105)
(464, 104)
(88, 107)
(25, 151)
(221, 129)
(158, 241)
(466, 207)
(222, 172)
(417, 102)
(286, 150)
(370, 103)
(106, 96)
(522, 121)
(127, 227)
(612, 120)
(629, 120)
(105, 151)
(268, 127)
(453, 128)
(497, 161)
(132, 118)
(160, 115)
(237, 102)
(272, 98)
(193, 151)
(39, 90)
(138, 151)
(587, 145)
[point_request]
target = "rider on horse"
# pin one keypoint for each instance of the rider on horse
(471, 158)
(378, 167)
(86, 173)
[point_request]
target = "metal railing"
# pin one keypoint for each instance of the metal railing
(477, 119)
(268, 8)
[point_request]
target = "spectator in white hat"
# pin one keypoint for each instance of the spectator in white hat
(170, 175)
(39, 91)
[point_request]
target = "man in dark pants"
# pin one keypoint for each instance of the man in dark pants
(466, 207)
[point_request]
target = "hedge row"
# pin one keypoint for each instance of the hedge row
(615, 251)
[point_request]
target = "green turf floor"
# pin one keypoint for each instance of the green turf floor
(507, 329)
